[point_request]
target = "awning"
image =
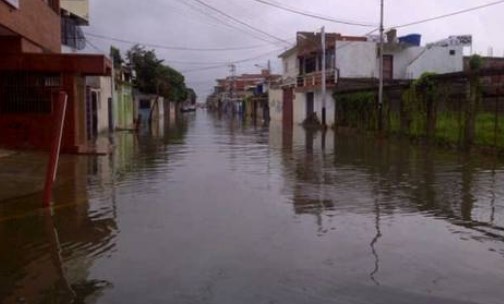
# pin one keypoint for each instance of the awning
(91, 65)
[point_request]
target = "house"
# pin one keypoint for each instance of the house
(239, 94)
(351, 63)
(33, 69)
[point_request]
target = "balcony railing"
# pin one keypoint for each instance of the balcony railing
(314, 79)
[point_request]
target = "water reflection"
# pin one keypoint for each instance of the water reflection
(209, 209)
(46, 256)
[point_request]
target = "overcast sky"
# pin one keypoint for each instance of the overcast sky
(187, 23)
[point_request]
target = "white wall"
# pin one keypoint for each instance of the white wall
(356, 59)
(437, 60)
(290, 67)
(329, 106)
(300, 107)
(412, 62)
(275, 100)
(102, 86)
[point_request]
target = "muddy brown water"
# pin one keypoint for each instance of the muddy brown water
(208, 209)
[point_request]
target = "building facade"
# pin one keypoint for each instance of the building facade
(352, 62)
(33, 71)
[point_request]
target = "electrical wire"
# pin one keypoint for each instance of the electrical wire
(450, 14)
(232, 62)
(313, 15)
(240, 22)
(165, 47)
(223, 22)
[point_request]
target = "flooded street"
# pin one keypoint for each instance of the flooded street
(212, 210)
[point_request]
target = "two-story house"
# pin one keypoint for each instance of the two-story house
(33, 70)
(352, 62)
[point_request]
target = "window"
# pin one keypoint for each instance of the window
(28, 93)
(452, 52)
(71, 34)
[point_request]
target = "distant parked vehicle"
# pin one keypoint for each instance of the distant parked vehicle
(187, 109)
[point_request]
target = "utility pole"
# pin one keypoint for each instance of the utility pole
(233, 87)
(380, 86)
(324, 76)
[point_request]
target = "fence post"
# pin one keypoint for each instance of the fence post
(52, 166)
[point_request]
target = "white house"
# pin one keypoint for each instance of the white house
(352, 62)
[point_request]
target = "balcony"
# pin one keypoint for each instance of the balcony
(314, 80)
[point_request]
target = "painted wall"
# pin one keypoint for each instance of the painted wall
(123, 107)
(356, 59)
(103, 87)
(438, 60)
(275, 100)
(290, 68)
(300, 107)
(412, 62)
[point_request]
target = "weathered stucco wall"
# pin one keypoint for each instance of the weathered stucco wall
(356, 59)
(275, 100)
(438, 60)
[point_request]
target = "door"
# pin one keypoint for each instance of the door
(110, 115)
(94, 114)
(388, 67)
(310, 97)
(288, 108)
(91, 114)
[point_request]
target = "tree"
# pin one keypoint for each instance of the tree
(117, 59)
(154, 77)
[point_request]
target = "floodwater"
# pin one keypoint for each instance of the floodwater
(208, 209)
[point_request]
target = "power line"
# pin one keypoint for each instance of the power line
(450, 14)
(313, 15)
(232, 62)
(157, 46)
(223, 22)
(240, 22)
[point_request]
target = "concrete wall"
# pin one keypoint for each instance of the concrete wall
(275, 100)
(412, 62)
(300, 107)
(123, 107)
(356, 59)
(36, 22)
(438, 60)
(102, 86)
(290, 68)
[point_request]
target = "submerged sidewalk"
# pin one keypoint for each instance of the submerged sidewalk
(21, 173)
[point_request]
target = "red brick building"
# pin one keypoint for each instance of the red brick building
(33, 70)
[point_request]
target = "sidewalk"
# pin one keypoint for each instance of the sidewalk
(21, 174)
